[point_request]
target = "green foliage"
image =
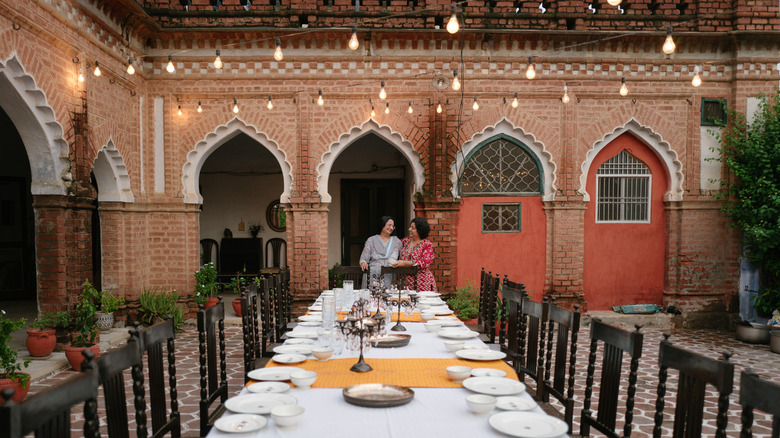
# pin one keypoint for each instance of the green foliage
(109, 302)
(206, 285)
(767, 300)
(83, 318)
(751, 151)
(255, 229)
(157, 304)
(9, 364)
(465, 301)
(337, 280)
(51, 320)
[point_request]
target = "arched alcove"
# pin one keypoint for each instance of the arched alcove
(111, 175)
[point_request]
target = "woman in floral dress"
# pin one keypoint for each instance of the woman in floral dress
(418, 251)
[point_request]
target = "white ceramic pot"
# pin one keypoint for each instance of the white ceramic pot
(774, 341)
(104, 321)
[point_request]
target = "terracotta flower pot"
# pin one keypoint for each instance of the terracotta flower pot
(73, 354)
(211, 303)
(40, 343)
(237, 306)
(20, 392)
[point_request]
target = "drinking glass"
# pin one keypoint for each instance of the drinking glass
(323, 337)
(328, 312)
(338, 294)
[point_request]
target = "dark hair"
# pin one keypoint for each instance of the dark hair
(383, 221)
(423, 229)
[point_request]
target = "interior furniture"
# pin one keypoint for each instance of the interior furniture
(278, 257)
(158, 342)
(112, 366)
(240, 255)
(761, 394)
(209, 252)
(213, 380)
(354, 273)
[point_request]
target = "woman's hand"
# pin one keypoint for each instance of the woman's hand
(402, 264)
(363, 265)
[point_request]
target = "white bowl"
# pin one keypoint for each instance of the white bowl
(453, 346)
(427, 316)
(303, 379)
(289, 415)
(433, 325)
(477, 403)
(322, 353)
(458, 373)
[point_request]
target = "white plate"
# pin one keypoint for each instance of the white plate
(528, 424)
(493, 385)
(512, 403)
(268, 387)
(288, 358)
(293, 349)
(240, 423)
(441, 310)
(310, 324)
(473, 354)
(476, 347)
(273, 373)
(455, 333)
(487, 372)
(302, 334)
(258, 403)
(299, 341)
(310, 317)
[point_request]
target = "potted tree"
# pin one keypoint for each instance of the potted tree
(84, 325)
(109, 303)
(42, 333)
(11, 375)
(206, 286)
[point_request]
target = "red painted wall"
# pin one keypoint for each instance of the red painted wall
(519, 255)
(624, 263)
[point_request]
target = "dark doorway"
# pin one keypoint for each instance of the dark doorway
(97, 265)
(363, 202)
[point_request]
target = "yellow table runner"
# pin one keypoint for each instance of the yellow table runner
(416, 373)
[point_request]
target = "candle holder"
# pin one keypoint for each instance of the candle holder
(409, 304)
(358, 328)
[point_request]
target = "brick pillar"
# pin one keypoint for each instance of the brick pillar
(307, 248)
(565, 252)
(442, 216)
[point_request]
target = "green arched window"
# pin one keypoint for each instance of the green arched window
(501, 167)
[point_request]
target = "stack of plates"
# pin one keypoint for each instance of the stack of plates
(457, 333)
(258, 403)
(493, 385)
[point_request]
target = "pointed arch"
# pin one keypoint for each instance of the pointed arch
(404, 146)
(505, 127)
(204, 148)
(652, 140)
(29, 110)
(111, 175)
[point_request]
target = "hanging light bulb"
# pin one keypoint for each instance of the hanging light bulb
(320, 101)
(452, 25)
(270, 105)
(614, 2)
(438, 108)
(410, 110)
(278, 55)
(696, 81)
(353, 41)
(130, 69)
(669, 44)
(81, 75)
(382, 93)
(623, 88)
(200, 108)
(565, 98)
(235, 106)
(373, 113)
(387, 108)
(530, 73)
(170, 66)
(218, 61)
(179, 109)
(455, 81)
(514, 102)
(97, 69)
(476, 105)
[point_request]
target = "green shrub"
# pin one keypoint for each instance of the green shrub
(206, 285)
(157, 304)
(51, 320)
(83, 318)
(465, 301)
(109, 302)
(9, 363)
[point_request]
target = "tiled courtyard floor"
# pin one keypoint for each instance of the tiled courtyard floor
(708, 343)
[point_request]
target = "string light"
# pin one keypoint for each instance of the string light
(373, 113)
(514, 101)
(81, 75)
(130, 69)
(452, 25)
(614, 2)
(565, 98)
(476, 105)
(278, 55)
(623, 88)
(387, 108)
(455, 81)
(382, 93)
(530, 73)
(270, 105)
(669, 45)
(170, 66)
(179, 109)
(97, 69)
(410, 110)
(218, 61)
(438, 108)
(696, 81)
(200, 108)
(353, 40)
(235, 106)
(320, 101)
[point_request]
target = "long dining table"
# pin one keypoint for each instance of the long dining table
(438, 407)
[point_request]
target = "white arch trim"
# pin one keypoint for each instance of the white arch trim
(655, 142)
(505, 127)
(111, 175)
(197, 156)
(28, 108)
(383, 131)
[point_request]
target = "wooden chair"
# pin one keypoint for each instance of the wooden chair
(512, 296)
(282, 314)
(251, 331)
(277, 246)
(488, 297)
(266, 314)
(112, 366)
(213, 387)
(355, 273)
(152, 339)
(207, 247)
(48, 412)
(696, 371)
(616, 342)
(404, 277)
(562, 329)
(756, 393)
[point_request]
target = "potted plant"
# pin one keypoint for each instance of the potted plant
(42, 333)
(236, 284)
(206, 286)
(465, 303)
(109, 303)
(255, 229)
(11, 375)
(84, 325)
(157, 304)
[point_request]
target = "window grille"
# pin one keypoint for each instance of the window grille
(501, 167)
(500, 218)
(713, 112)
(623, 185)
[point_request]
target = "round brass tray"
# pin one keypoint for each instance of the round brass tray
(377, 395)
(393, 341)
